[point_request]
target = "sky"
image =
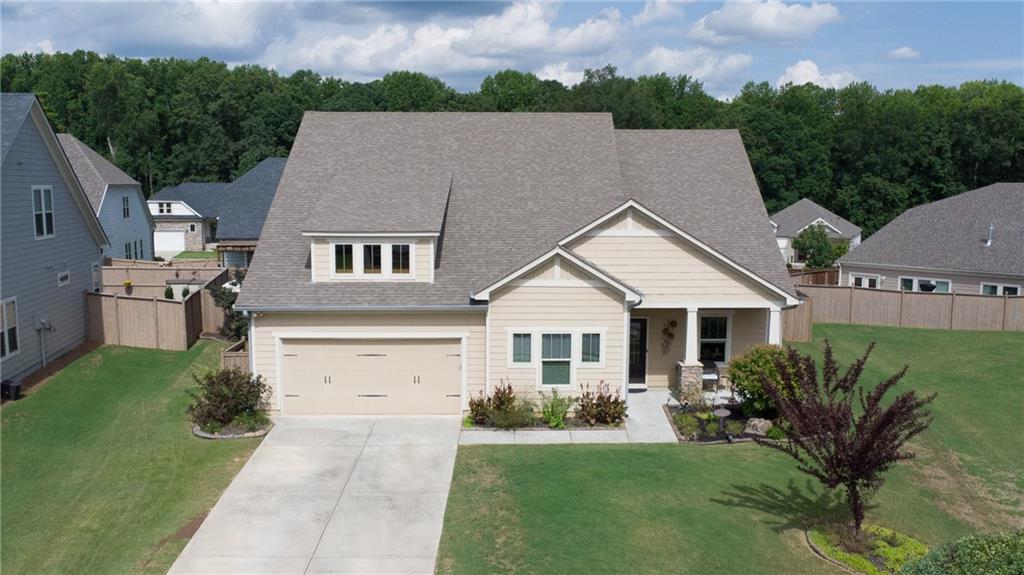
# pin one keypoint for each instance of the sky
(725, 45)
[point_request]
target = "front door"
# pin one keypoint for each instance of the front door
(638, 350)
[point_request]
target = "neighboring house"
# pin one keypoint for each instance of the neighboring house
(186, 217)
(411, 261)
(117, 200)
(972, 243)
(246, 203)
(789, 222)
(51, 241)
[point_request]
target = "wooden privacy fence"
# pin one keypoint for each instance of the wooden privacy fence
(864, 306)
(236, 356)
(148, 281)
(796, 322)
(829, 277)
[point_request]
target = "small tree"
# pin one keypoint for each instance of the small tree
(835, 442)
(816, 248)
(235, 325)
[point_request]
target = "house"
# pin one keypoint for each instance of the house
(186, 217)
(116, 198)
(972, 243)
(411, 261)
(52, 242)
(246, 202)
(790, 221)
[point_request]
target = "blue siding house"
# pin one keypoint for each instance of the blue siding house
(50, 242)
(117, 200)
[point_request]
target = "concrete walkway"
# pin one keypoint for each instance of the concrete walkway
(646, 423)
(333, 495)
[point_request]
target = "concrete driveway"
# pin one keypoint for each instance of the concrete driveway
(333, 495)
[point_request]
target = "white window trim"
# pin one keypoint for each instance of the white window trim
(191, 227)
(576, 353)
(876, 277)
(728, 333)
(917, 283)
(510, 336)
(999, 288)
(573, 357)
(358, 274)
(7, 323)
(601, 350)
(53, 213)
(65, 282)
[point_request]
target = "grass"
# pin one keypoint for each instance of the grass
(743, 508)
(196, 256)
(100, 471)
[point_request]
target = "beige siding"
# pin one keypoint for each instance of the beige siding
(571, 308)
(424, 263)
(749, 328)
(269, 325)
(663, 352)
(962, 283)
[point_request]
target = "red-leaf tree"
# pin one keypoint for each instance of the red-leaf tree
(835, 441)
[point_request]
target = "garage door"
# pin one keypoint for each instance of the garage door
(169, 241)
(374, 377)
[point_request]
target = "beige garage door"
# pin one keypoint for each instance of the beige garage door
(376, 377)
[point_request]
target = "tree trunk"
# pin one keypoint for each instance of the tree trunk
(856, 503)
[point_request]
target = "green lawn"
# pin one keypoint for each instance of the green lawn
(741, 508)
(196, 256)
(100, 470)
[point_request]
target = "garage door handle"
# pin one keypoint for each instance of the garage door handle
(371, 395)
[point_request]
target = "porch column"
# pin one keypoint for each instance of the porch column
(774, 326)
(692, 353)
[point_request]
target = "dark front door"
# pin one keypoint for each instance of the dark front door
(638, 350)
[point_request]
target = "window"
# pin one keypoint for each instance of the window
(522, 348)
(163, 207)
(556, 359)
(371, 259)
(864, 280)
(8, 327)
(343, 263)
(124, 207)
(714, 338)
(925, 285)
(191, 227)
(1000, 289)
(591, 348)
(128, 250)
(400, 259)
(135, 249)
(63, 278)
(42, 210)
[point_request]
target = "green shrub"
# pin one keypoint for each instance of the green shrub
(184, 292)
(251, 421)
(1000, 554)
(874, 550)
(775, 432)
(225, 394)
(687, 425)
(505, 410)
(479, 409)
(746, 371)
(168, 292)
(601, 406)
(734, 427)
(554, 409)
(235, 325)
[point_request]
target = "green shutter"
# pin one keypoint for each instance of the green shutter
(555, 373)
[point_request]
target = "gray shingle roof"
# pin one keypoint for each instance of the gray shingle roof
(93, 170)
(519, 183)
(14, 107)
(204, 197)
(800, 214)
(248, 200)
(950, 234)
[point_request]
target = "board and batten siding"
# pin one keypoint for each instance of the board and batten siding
(321, 256)
(962, 283)
(270, 325)
(121, 230)
(29, 266)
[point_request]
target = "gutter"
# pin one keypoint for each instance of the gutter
(366, 308)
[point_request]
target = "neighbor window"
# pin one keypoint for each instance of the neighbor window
(343, 263)
(925, 285)
(128, 250)
(124, 207)
(714, 335)
(556, 359)
(864, 280)
(191, 227)
(522, 348)
(400, 258)
(163, 207)
(371, 259)
(591, 348)
(1000, 289)
(63, 278)
(42, 210)
(8, 327)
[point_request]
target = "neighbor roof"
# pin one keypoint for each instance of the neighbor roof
(950, 234)
(503, 189)
(797, 216)
(93, 170)
(14, 109)
(249, 198)
(203, 197)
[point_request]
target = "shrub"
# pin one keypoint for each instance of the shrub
(745, 373)
(479, 409)
(1000, 554)
(184, 292)
(775, 432)
(506, 410)
(251, 421)
(872, 551)
(235, 325)
(687, 425)
(168, 292)
(224, 395)
(554, 409)
(734, 427)
(601, 406)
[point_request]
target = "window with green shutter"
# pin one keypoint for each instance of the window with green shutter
(556, 359)
(522, 348)
(591, 344)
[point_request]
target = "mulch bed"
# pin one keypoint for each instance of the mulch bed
(709, 431)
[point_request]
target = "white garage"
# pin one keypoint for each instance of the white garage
(169, 241)
(371, 376)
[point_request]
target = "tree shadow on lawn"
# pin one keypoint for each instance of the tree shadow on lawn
(793, 507)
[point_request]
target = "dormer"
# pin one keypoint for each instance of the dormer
(364, 257)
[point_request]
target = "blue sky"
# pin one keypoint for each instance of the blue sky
(890, 44)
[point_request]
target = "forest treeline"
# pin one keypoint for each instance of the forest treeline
(865, 153)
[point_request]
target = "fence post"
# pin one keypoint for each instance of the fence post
(849, 311)
(952, 307)
(899, 310)
(1004, 312)
(117, 319)
(156, 322)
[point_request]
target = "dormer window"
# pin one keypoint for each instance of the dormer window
(343, 260)
(400, 259)
(379, 260)
(371, 259)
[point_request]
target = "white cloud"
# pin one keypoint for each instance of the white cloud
(806, 71)
(698, 62)
(771, 20)
(526, 28)
(562, 73)
(904, 53)
(655, 10)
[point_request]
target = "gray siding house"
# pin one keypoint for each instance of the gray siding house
(51, 242)
(790, 221)
(972, 243)
(117, 200)
(186, 217)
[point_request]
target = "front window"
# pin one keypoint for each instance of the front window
(556, 357)
(924, 285)
(164, 207)
(999, 289)
(8, 327)
(343, 263)
(714, 335)
(42, 210)
(522, 348)
(125, 212)
(591, 348)
(864, 280)
(371, 259)
(400, 259)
